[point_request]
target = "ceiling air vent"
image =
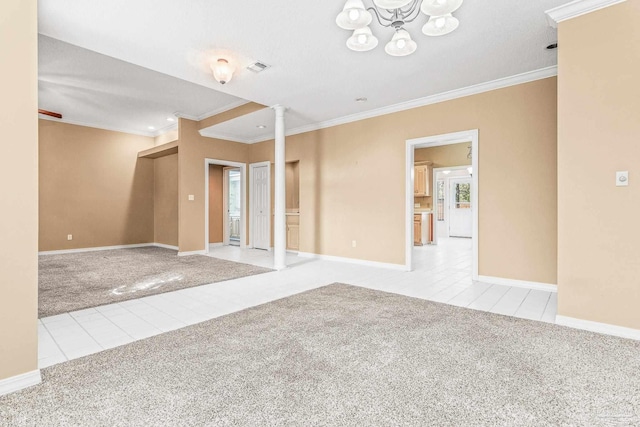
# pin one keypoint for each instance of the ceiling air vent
(257, 67)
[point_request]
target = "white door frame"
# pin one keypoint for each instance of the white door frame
(252, 166)
(452, 199)
(243, 202)
(435, 141)
(226, 239)
(434, 240)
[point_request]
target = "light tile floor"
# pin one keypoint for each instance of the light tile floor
(442, 273)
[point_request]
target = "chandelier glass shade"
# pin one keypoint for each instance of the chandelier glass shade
(396, 14)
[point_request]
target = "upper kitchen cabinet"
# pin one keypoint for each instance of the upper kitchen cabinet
(422, 179)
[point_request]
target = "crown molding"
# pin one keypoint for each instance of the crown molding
(95, 126)
(165, 129)
(226, 137)
(576, 8)
(517, 79)
(236, 104)
(155, 133)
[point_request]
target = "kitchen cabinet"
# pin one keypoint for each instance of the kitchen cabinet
(293, 232)
(422, 228)
(422, 179)
(417, 229)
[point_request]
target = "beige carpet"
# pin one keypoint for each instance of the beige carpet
(345, 356)
(88, 279)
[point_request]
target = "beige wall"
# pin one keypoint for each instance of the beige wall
(165, 200)
(194, 149)
(599, 110)
(216, 212)
(344, 168)
(18, 188)
(443, 156)
(93, 186)
(292, 185)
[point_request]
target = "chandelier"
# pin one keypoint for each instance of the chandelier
(395, 14)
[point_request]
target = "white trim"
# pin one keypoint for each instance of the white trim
(107, 248)
(243, 201)
(252, 166)
(538, 286)
(352, 261)
(92, 125)
(206, 132)
(162, 245)
(189, 253)
(98, 248)
(434, 209)
(216, 244)
(529, 76)
(231, 106)
(601, 328)
(436, 141)
(166, 129)
(156, 132)
(19, 382)
(576, 8)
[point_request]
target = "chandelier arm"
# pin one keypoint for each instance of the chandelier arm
(415, 7)
(411, 8)
(379, 17)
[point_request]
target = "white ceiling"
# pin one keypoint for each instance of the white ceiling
(97, 90)
(312, 73)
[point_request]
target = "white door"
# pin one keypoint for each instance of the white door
(260, 200)
(460, 212)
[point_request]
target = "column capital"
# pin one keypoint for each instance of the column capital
(279, 108)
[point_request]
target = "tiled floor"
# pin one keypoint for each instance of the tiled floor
(442, 274)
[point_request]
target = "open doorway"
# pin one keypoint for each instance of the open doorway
(442, 199)
(231, 206)
(452, 203)
(225, 207)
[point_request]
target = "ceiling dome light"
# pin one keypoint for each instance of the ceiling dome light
(362, 40)
(222, 71)
(401, 44)
(440, 7)
(353, 16)
(440, 25)
(391, 4)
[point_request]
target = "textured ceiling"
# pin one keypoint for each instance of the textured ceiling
(312, 73)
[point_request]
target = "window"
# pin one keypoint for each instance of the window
(463, 196)
(440, 195)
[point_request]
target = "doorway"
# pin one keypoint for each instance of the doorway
(232, 207)
(460, 219)
(467, 193)
(232, 202)
(260, 206)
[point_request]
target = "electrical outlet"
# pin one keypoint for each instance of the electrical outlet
(353, 244)
(69, 236)
(191, 197)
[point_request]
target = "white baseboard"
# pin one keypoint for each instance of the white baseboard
(518, 283)
(162, 245)
(189, 253)
(401, 267)
(107, 248)
(216, 245)
(601, 328)
(10, 385)
(99, 248)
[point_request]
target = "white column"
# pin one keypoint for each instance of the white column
(280, 219)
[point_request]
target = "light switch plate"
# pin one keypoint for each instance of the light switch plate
(191, 197)
(622, 178)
